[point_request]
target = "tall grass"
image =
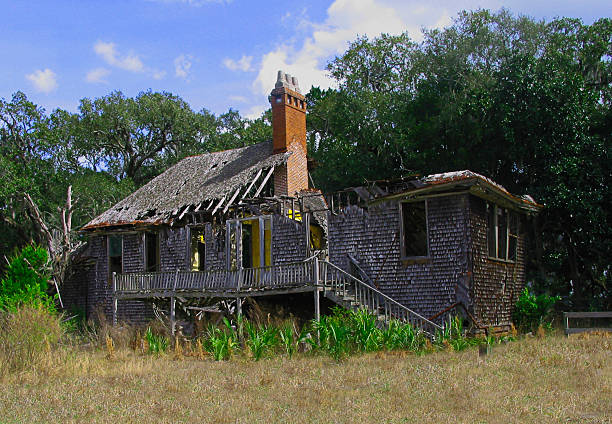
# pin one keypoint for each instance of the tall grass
(27, 336)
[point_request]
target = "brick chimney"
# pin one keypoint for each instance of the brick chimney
(289, 134)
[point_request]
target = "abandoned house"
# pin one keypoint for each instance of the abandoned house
(244, 222)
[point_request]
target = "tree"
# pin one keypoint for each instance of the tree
(524, 102)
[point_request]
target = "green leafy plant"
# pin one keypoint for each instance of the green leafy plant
(260, 340)
(220, 343)
(366, 334)
(26, 281)
(286, 334)
(402, 336)
(531, 311)
(157, 343)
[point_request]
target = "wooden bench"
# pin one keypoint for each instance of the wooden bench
(568, 315)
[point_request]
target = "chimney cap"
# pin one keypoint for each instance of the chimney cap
(287, 81)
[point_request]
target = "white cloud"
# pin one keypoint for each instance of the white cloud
(108, 52)
(242, 64)
(182, 66)
(44, 80)
(97, 76)
(238, 99)
(129, 62)
(345, 21)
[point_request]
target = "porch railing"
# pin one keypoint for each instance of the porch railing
(269, 277)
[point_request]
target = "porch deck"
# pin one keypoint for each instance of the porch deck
(270, 280)
(311, 275)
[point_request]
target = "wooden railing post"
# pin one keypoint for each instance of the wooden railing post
(114, 299)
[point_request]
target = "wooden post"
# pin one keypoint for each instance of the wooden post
(317, 305)
(566, 316)
(238, 306)
(172, 315)
(114, 299)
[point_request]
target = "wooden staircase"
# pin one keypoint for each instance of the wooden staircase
(352, 293)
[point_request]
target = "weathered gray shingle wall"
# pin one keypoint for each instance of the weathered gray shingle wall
(496, 285)
(215, 247)
(99, 291)
(372, 236)
(173, 248)
(288, 240)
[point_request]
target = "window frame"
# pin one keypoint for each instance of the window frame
(108, 255)
(236, 226)
(403, 255)
(495, 232)
(146, 253)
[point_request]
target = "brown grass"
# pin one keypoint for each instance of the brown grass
(553, 379)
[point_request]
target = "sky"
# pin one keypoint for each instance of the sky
(215, 54)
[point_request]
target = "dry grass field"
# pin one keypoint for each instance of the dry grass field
(537, 380)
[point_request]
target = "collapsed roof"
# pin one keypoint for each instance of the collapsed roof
(210, 177)
(444, 183)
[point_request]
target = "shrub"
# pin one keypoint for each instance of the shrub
(366, 334)
(157, 343)
(532, 311)
(26, 336)
(25, 281)
(286, 334)
(402, 336)
(260, 340)
(220, 343)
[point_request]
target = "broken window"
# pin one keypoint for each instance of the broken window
(198, 249)
(115, 255)
(151, 242)
(502, 233)
(414, 240)
(254, 249)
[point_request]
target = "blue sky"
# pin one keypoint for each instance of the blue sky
(215, 54)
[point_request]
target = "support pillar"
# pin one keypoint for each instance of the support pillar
(238, 306)
(172, 315)
(317, 305)
(114, 306)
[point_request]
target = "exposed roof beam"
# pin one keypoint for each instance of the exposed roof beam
(232, 199)
(264, 182)
(184, 212)
(218, 205)
(210, 204)
(252, 184)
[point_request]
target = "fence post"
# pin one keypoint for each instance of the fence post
(114, 298)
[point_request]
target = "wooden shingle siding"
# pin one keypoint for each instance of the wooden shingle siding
(99, 288)
(288, 240)
(496, 284)
(372, 236)
(215, 247)
(173, 248)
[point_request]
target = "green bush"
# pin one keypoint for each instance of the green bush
(25, 281)
(531, 311)
(261, 340)
(157, 343)
(220, 343)
(27, 334)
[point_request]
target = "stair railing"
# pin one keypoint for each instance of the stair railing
(344, 284)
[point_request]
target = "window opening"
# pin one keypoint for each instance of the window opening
(151, 252)
(198, 249)
(502, 233)
(414, 229)
(115, 255)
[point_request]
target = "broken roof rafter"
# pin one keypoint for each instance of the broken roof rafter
(189, 184)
